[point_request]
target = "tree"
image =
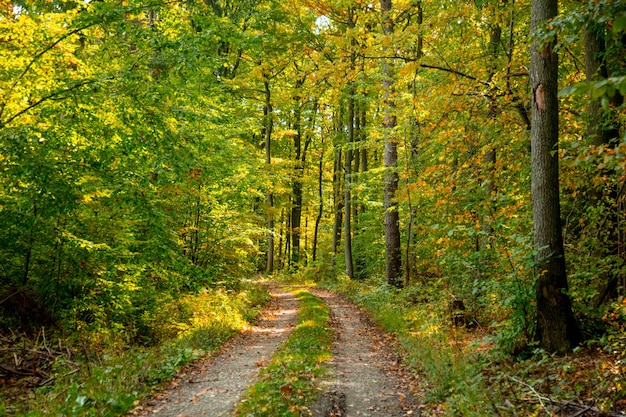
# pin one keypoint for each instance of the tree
(268, 126)
(393, 255)
(350, 120)
(557, 330)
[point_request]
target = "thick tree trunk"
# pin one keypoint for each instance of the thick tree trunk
(393, 256)
(557, 330)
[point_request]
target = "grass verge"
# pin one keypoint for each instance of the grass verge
(108, 379)
(289, 382)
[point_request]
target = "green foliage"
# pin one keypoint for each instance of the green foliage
(132, 175)
(119, 194)
(290, 381)
(112, 377)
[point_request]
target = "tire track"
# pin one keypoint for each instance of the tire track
(365, 381)
(212, 387)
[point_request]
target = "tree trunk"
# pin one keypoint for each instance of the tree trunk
(320, 194)
(296, 210)
(286, 216)
(267, 111)
(489, 159)
(410, 258)
(338, 201)
(393, 257)
(557, 330)
(347, 227)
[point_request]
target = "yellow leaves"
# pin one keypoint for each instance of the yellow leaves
(89, 197)
(409, 71)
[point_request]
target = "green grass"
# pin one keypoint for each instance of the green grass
(111, 379)
(289, 382)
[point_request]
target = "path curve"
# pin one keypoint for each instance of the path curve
(366, 377)
(212, 387)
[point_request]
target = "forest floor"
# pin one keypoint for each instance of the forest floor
(366, 377)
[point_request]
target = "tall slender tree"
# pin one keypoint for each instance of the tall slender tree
(393, 256)
(269, 124)
(350, 116)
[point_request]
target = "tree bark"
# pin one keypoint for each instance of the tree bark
(393, 256)
(410, 258)
(557, 330)
(347, 226)
(490, 156)
(267, 112)
(337, 202)
(347, 201)
(296, 210)
(320, 194)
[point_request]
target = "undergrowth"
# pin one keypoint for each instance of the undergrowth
(289, 382)
(107, 378)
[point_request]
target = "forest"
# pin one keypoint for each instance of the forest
(455, 167)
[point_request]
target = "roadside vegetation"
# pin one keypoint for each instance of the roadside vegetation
(291, 379)
(82, 374)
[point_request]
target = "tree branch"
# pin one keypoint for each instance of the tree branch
(32, 62)
(46, 98)
(52, 45)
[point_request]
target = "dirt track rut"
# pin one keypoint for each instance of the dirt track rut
(212, 387)
(365, 379)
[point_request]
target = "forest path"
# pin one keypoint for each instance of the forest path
(212, 387)
(367, 378)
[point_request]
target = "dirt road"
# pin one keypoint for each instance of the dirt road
(212, 387)
(364, 380)
(366, 371)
